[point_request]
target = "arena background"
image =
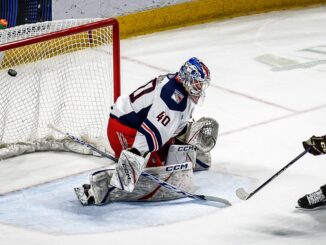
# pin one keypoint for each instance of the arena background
(141, 16)
(147, 16)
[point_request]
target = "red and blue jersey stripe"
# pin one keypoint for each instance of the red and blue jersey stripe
(152, 135)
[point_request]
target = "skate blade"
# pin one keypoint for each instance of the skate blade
(311, 209)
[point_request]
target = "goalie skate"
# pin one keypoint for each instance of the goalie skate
(83, 195)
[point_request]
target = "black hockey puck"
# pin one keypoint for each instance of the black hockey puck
(12, 72)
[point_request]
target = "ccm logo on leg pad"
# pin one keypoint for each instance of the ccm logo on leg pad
(181, 166)
(185, 148)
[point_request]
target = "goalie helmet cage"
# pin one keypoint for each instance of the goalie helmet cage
(68, 74)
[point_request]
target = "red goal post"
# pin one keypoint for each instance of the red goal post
(68, 74)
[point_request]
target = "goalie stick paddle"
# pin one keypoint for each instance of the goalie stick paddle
(145, 174)
(243, 195)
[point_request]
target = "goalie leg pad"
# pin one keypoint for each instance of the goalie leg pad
(187, 153)
(97, 191)
(203, 160)
(100, 185)
(101, 192)
(181, 154)
(179, 175)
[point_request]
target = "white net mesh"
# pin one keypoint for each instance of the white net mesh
(66, 81)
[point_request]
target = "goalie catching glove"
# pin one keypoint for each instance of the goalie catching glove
(202, 134)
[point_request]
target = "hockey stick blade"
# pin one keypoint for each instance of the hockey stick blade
(242, 194)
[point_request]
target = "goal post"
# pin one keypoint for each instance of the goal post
(68, 74)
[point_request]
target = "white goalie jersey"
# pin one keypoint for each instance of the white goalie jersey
(159, 110)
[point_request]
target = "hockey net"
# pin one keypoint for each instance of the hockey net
(68, 75)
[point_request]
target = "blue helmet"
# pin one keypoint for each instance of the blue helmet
(195, 77)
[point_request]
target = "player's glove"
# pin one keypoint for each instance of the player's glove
(315, 145)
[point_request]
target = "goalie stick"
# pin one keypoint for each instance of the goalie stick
(243, 195)
(145, 174)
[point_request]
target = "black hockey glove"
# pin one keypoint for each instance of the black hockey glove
(316, 145)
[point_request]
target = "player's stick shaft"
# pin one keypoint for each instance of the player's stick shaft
(243, 195)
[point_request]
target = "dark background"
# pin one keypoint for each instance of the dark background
(19, 12)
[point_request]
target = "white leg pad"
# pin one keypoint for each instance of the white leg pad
(100, 184)
(181, 154)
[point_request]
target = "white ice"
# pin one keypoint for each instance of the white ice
(268, 94)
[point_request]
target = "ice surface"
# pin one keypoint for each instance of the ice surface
(47, 207)
(265, 106)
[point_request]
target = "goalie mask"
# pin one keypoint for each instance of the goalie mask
(195, 77)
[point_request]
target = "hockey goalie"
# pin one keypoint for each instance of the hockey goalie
(152, 130)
